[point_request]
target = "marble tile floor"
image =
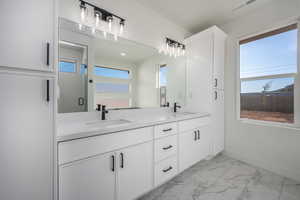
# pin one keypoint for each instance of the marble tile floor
(224, 178)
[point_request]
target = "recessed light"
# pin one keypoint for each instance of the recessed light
(123, 54)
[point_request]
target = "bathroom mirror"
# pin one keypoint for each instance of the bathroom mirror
(120, 74)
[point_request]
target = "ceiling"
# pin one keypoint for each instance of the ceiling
(112, 50)
(195, 15)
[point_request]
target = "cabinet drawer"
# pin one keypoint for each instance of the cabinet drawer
(165, 170)
(82, 148)
(165, 130)
(165, 147)
(192, 124)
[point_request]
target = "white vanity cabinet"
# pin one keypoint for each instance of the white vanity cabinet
(205, 71)
(135, 171)
(194, 141)
(91, 178)
(26, 136)
(27, 34)
(88, 171)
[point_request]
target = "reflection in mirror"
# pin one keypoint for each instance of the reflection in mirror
(72, 79)
(119, 74)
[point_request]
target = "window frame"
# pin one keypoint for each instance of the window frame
(296, 76)
(105, 79)
(69, 60)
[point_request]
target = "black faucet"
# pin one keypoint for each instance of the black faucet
(103, 112)
(166, 105)
(175, 107)
(98, 107)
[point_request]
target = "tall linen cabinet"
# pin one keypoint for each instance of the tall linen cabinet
(205, 80)
(27, 104)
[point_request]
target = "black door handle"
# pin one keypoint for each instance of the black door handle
(216, 82)
(48, 90)
(198, 135)
(113, 163)
(122, 160)
(168, 147)
(48, 54)
(195, 138)
(166, 170)
(216, 95)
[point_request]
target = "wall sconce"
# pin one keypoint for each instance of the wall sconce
(172, 48)
(101, 19)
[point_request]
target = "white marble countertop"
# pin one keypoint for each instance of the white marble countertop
(76, 130)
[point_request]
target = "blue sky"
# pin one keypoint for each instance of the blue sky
(268, 56)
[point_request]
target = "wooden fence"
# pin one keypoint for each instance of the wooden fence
(269, 102)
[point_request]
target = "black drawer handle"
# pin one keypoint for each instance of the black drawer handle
(113, 163)
(168, 147)
(48, 91)
(216, 82)
(166, 130)
(48, 54)
(166, 170)
(122, 160)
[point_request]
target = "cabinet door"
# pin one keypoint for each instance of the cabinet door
(27, 27)
(135, 175)
(89, 179)
(188, 149)
(219, 60)
(199, 71)
(218, 120)
(26, 137)
(204, 142)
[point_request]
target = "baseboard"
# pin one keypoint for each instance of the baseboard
(294, 175)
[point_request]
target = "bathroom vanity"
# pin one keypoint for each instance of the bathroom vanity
(123, 159)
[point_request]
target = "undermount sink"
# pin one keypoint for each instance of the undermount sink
(108, 123)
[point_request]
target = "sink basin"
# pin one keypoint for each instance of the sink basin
(108, 123)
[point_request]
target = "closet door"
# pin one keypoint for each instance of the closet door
(27, 34)
(26, 137)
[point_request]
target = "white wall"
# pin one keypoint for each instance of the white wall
(270, 147)
(142, 24)
(147, 77)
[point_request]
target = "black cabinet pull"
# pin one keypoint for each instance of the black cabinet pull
(216, 82)
(195, 138)
(216, 95)
(122, 160)
(166, 170)
(168, 147)
(48, 54)
(166, 130)
(198, 135)
(113, 163)
(48, 91)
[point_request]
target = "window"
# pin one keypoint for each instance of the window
(67, 66)
(268, 65)
(111, 72)
(112, 87)
(163, 84)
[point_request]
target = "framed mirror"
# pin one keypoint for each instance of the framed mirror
(120, 74)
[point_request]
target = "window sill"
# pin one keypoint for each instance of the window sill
(270, 124)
